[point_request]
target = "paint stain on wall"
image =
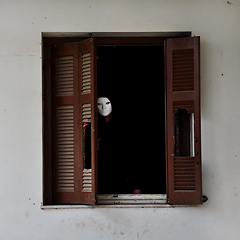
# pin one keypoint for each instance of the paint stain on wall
(27, 214)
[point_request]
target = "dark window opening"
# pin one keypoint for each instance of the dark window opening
(132, 145)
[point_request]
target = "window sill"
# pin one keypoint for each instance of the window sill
(121, 201)
(49, 207)
(131, 199)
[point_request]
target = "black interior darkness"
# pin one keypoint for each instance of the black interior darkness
(132, 77)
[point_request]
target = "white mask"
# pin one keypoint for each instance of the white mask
(104, 106)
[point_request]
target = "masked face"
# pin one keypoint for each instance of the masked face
(104, 106)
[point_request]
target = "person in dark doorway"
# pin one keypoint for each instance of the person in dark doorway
(105, 108)
(112, 176)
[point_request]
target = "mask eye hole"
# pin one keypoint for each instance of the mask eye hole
(107, 103)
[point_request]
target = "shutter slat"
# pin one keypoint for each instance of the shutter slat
(64, 75)
(65, 58)
(65, 158)
(86, 78)
(86, 112)
(87, 180)
(86, 73)
(183, 70)
(184, 172)
(86, 65)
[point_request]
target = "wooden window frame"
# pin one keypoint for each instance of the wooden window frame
(47, 135)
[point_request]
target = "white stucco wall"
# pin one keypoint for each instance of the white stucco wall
(21, 25)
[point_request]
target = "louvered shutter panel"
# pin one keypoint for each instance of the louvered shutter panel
(183, 94)
(65, 114)
(88, 119)
(73, 105)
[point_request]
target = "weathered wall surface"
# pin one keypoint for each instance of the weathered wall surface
(21, 24)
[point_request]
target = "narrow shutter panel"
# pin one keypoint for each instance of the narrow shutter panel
(73, 106)
(88, 121)
(65, 128)
(183, 121)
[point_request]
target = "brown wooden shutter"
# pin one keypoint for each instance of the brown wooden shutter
(183, 99)
(88, 119)
(73, 75)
